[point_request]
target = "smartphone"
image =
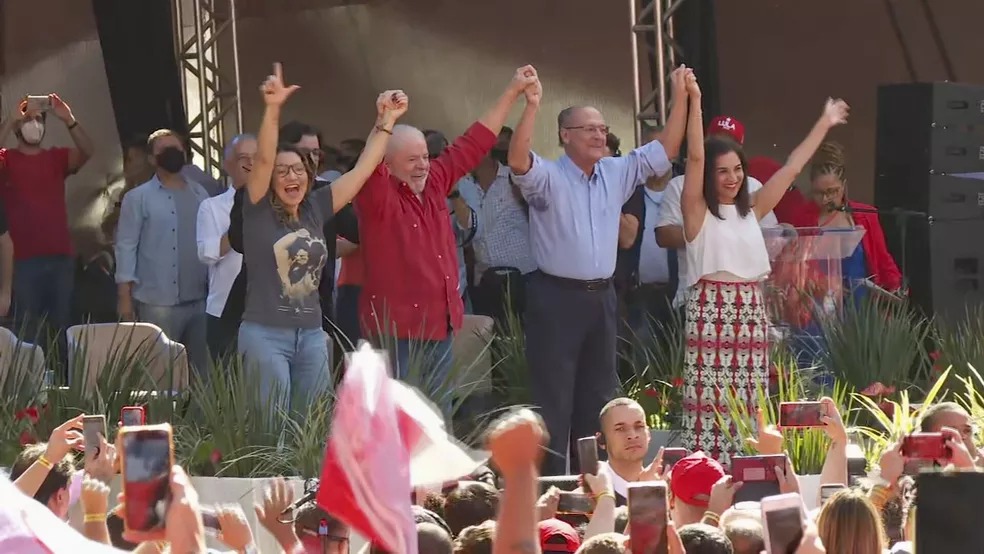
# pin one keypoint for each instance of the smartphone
(801, 414)
(940, 527)
(575, 503)
(133, 415)
(210, 520)
(826, 491)
(925, 446)
(782, 522)
(38, 103)
(758, 473)
(147, 455)
(587, 455)
(673, 455)
(92, 427)
(648, 517)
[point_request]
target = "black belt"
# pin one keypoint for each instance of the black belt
(578, 284)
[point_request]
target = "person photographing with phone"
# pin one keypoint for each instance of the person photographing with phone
(32, 188)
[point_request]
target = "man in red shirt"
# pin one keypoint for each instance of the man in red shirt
(32, 186)
(410, 293)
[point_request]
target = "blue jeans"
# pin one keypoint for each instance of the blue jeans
(425, 364)
(184, 323)
(43, 291)
(294, 363)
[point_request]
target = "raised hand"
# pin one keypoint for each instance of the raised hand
(61, 109)
(832, 421)
(690, 82)
(835, 112)
(769, 440)
(516, 442)
(534, 92)
(392, 103)
(655, 471)
(522, 78)
(275, 92)
(678, 81)
(64, 438)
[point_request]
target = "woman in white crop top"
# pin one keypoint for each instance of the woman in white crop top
(727, 326)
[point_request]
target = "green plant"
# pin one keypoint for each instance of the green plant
(510, 373)
(874, 342)
(656, 358)
(894, 419)
(807, 448)
(959, 344)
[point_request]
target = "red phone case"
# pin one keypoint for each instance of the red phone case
(800, 414)
(925, 446)
(756, 469)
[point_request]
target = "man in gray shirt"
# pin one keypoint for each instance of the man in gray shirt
(159, 276)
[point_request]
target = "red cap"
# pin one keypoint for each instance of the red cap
(727, 125)
(558, 536)
(692, 477)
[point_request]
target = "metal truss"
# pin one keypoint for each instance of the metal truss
(206, 40)
(653, 37)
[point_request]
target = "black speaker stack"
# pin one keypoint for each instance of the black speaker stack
(929, 167)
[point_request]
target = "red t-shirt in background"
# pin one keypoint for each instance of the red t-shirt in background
(793, 204)
(33, 191)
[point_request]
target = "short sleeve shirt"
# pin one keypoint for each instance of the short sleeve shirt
(285, 261)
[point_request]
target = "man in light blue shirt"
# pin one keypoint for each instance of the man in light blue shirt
(159, 277)
(571, 313)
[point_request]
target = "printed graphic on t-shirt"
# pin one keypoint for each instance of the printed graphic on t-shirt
(300, 258)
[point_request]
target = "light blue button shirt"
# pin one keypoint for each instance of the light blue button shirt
(574, 217)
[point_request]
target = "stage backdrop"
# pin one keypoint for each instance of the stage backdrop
(778, 61)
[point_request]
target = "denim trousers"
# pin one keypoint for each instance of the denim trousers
(184, 323)
(43, 291)
(295, 363)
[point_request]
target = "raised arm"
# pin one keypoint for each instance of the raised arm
(275, 93)
(78, 156)
(692, 202)
(834, 113)
(390, 105)
(676, 125)
(495, 118)
(521, 143)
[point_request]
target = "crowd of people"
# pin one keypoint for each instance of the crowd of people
(583, 249)
(507, 507)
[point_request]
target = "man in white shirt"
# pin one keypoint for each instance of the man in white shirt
(669, 222)
(625, 438)
(223, 262)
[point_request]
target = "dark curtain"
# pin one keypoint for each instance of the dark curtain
(137, 40)
(696, 32)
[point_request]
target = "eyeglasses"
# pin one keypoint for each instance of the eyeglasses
(316, 152)
(285, 170)
(590, 129)
(829, 193)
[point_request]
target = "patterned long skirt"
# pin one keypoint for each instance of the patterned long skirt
(727, 353)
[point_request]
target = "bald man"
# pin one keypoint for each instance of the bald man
(410, 293)
(571, 310)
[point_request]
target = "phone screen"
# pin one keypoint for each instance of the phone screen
(648, 517)
(826, 491)
(587, 453)
(673, 455)
(800, 414)
(92, 428)
(146, 476)
(574, 503)
(131, 416)
(785, 527)
(210, 520)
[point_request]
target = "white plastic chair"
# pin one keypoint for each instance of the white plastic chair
(19, 356)
(469, 351)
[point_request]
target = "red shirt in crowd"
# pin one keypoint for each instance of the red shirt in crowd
(32, 187)
(411, 263)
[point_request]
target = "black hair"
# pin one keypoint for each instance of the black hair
(293, 131)
(614, 144)
(715, 147)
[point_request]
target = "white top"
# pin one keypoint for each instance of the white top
(730, 249)
(670, 214)
(653, 264)
(213, 224)
(619, 485)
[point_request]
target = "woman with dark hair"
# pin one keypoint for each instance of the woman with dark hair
(281, 336)
(727, 326)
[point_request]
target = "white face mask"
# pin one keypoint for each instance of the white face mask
(32, 131)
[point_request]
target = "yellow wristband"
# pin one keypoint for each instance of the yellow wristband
(94, 518)
(712, 517)
(601, 495)
(45, 462)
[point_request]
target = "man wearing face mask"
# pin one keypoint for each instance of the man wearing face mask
(32, 187)
(159, 277)
(503, 255)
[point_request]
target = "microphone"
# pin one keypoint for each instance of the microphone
(310, 491)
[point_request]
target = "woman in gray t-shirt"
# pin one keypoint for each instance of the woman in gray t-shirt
(281, 337)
